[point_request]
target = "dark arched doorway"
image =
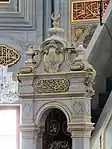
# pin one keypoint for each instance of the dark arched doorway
(56, 135)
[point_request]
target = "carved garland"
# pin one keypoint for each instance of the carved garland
(51, 85)
(8, 55)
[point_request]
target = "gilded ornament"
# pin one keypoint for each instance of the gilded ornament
(52, 85)
(78, 33)
(8, 55)
(87, 10)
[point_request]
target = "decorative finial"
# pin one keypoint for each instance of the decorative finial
(55, 30)
(55, 17)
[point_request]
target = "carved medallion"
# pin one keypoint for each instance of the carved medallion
(87, 10)
(52, 85)
(8, 55)
(52, 58)
(53, 127)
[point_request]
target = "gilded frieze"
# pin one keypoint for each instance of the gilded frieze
(8, 55)
(87, 10)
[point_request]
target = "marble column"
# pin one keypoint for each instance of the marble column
(28, 136)
(80, 134)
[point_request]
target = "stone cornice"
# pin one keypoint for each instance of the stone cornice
(28, 131)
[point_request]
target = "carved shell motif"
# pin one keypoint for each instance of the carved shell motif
(8, 55)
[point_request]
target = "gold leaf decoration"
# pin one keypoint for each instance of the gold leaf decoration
(52, 85)
(87, 10)
(8, 55)
(79, 32)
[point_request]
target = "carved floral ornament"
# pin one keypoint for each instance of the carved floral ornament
(8, 55)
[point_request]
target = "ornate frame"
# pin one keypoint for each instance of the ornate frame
(12, 50)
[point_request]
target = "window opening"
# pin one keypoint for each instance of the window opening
(9, 128)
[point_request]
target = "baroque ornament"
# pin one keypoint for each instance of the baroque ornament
(52, 57)
(8, 55)
(52, 85)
